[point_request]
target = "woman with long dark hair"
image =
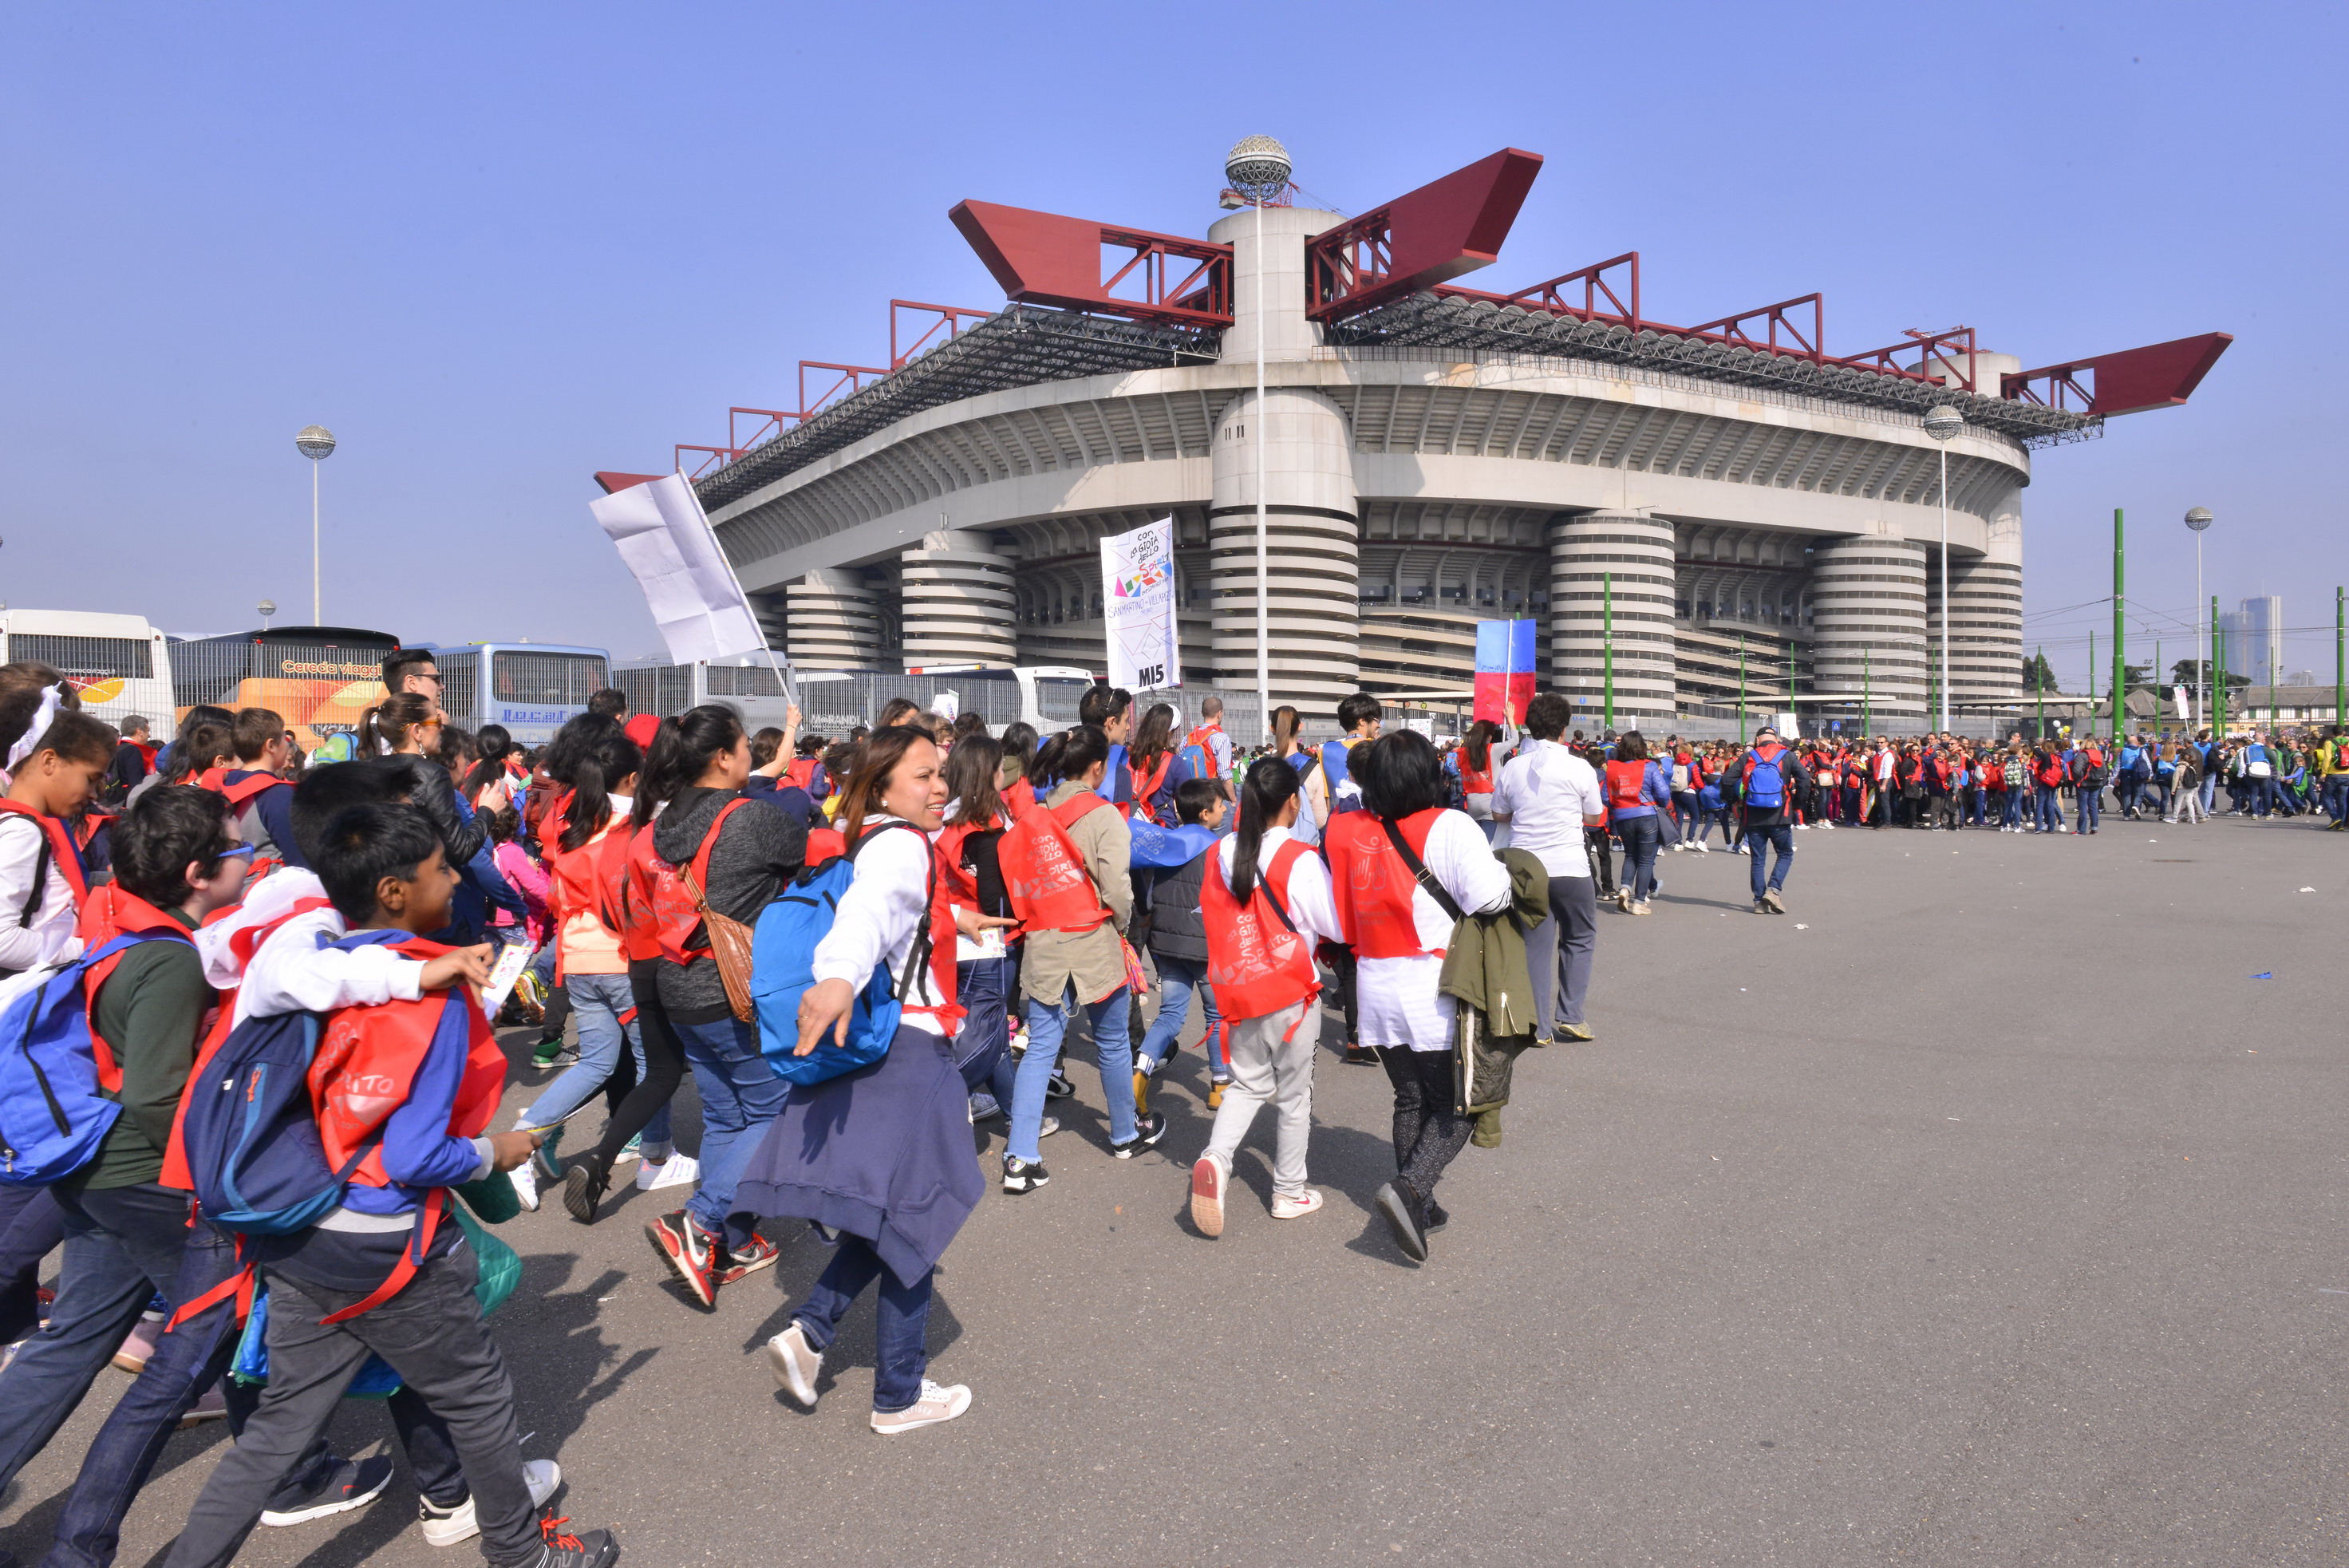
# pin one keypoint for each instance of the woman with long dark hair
(1477, 771)
(1011, 781)
(490, 783)
(1150, 758)
(740, 859)
(971, 877)
(1266, 902)
(1068, 871)
(1399, 927)
(880, 1156)
(586, 840)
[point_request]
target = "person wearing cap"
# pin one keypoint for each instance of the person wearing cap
(1772, 776)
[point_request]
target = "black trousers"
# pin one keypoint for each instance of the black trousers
(432, 1335)
(1429, 1134)
(629, 1103)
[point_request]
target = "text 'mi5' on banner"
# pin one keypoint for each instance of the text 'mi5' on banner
(1504, 669)
(1138, 600)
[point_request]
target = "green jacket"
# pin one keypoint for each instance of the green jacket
(1484, 963)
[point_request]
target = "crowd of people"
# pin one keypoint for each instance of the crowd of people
(257, 999)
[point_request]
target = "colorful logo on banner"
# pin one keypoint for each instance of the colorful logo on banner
(1138, 599)
(1505, 655)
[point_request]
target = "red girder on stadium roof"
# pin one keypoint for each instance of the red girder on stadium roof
(950, 317)
(614, 481)
(1425, 237)
(2159, 375)
(1042, 258)
(1953, 349)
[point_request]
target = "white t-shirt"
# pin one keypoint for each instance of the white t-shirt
(1546, 790)
(1397, 1001)
(1312, 908)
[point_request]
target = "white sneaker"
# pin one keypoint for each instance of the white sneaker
(1286, 1207)
(795, 1362)
(458, 1523)
(937, 1403)
(1703, 848)
(1052, 1125)
(1802, 827)
(677, 1170)
(525, 1177)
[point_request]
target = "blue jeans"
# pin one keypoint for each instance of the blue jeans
(2337, 797)
(2210, 792)
(1683, 829)
(900, 1318)
(1758, 839)
(981, 1046)
(1177, 980)
(739, 1096)
(2009, 808)
(597, 1001)
(2091, 803)
(1640, 835)
(1048, 1023)
(2049, 805)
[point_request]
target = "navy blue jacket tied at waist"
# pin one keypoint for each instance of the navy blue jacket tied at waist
(883, 1152)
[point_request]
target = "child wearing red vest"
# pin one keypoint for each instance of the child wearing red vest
(42, 884)
(1266, 902)
(415, 1085)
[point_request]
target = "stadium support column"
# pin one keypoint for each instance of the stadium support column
(1301, 442)
(1868, 597)
(1613, 566)
(834, 621)
(958, 602)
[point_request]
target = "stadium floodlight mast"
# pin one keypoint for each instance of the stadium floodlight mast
(1257, 167)
(1942, 423)
(2198, 518)
(265, 608)
(315, 443)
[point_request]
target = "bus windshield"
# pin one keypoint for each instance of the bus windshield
(547, 680)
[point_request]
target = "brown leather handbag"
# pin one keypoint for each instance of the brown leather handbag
(729, 948)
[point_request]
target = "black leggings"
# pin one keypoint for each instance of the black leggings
(1428, 1133)
(632, 1102)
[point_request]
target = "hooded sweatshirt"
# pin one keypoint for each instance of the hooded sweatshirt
(757, 854)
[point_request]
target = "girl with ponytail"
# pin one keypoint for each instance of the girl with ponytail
(1066, 867)
(586, 836)
(1266, 902)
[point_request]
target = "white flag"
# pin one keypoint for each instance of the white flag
(1138, 594)
(664, 536)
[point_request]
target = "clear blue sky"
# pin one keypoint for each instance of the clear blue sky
(495, 248)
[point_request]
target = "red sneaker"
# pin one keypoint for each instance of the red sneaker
(756, 1253)
(691, 1250)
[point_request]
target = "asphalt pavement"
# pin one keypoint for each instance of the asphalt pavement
(1983, 1208)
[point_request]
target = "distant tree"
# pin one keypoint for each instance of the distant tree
(2038, 673)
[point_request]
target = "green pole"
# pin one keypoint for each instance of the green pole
(2120, 633)
(2157, 685)
(1741, 688)
(2219, 685)
(2038, 678)
(2339, 656)
(2092, 669)
(1607, 637)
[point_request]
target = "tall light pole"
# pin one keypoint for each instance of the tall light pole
(315, 443)
(1257, 167)
(266, 608)
(2120, 632)
(2198, 518)
(1941, 423)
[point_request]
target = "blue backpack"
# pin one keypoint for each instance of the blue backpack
(53, 1111)
(250, 1133)
(1766, 784)
(783, 968)
(1337, 766)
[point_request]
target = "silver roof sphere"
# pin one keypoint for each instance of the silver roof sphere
(1257, 166)
(2198, 518)
(315, 442)
(1944, 421)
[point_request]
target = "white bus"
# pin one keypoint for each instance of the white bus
(532, 689)
(835, 702)
(120, 664)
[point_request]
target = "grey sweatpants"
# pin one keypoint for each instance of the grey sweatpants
(432, 1335)
(1272, 1059)
(1559, 950)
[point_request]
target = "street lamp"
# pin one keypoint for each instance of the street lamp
(266, 608)
(1941, 423)
(1258, 170)
(315, 443)
(2198, 518)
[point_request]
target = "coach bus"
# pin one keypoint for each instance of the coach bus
(531, 688)
(319, 679)
(835, 702)
(119, 664)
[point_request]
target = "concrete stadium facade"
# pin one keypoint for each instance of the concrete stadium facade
(1415, 482)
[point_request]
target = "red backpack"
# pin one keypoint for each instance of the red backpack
(1043, 872)
(662, 910)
